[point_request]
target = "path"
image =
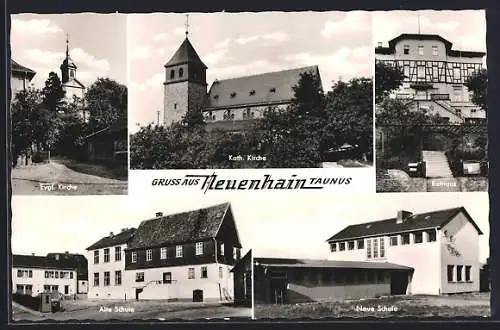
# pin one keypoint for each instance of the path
(436, 164)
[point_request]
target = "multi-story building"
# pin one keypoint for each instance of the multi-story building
(230, 104)
(76, 261)
(20, 77)
(106, 265)
(184, 256)
(32, 275)
(434, 75)
(441, 246)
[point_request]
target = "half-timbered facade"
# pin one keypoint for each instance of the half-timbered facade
(441, 246)
(434, 74)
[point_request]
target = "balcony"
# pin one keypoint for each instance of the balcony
(440, 97)
(421, 85)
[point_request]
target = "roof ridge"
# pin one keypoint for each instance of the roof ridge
(184, 212)
(266, 73)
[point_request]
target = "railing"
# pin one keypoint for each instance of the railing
(440, 97)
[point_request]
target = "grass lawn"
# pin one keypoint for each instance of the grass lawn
(461, 305)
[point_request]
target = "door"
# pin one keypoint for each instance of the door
(399, 283)
(66, 289)
(279, 283)
(197, 295)
(137, 292)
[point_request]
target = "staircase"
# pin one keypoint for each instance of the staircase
(436, 164)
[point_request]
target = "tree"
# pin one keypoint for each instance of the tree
(387, 79)
(53, 93)
(477, 83)
(106, 103)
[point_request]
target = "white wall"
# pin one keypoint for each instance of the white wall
(112, 291)
(17, 84)
(465, 241)
(38, 280)
(83, 286)
(238, 112)
(181, 287)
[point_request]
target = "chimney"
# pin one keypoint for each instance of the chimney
(379, 44)
(159, 214)
(66, 252)
(111, 234)
(32, 254)
(403, 216)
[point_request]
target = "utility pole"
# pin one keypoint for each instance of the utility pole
(158, 118)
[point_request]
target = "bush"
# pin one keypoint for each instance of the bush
(27, 301)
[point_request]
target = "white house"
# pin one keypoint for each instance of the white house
(434, 75)
(32, 275)
(441, 246)
(180, 257)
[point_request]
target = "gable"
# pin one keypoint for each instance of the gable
(227, 231)
(266, 88)
(456, 222)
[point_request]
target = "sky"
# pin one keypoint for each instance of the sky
(466, 29)
(97, 45)
(238, 44)
(288, 226)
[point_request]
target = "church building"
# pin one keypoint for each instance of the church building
(71, 85)
(230, 104)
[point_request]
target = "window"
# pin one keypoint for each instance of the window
(221, 274)
(163, 253)
(434, 50)
(199, 248)
(106, 255)
(252, 92)
(235, 253)
(467, 274)
(167, 277)
(228, 115)
(29, 289)
(431, 236)
(380, 276)
(418, 237)
(233, 95)
(106, 278)
(72, 73)
(406, 49)
(20, 288)
(405, 239)
(46, 288)
(370, 277)
(57, 274)
(375, 248)
(46, 274)
(190, 273)
(149, 255)
(382, 247)
(118, 277)
(342, 246)
(204, 272)
(71, 275)
(96, 257)
(178, 251)
(369, 248)
(54, 288)
(248, 114)
(333, 247)
(181, 72)
(222, 249)
(361, 244)
(350, 245)
(459, 273)
(96, 279)
(456, 74)
(172, 74)
(139, 277)
(393, 241)
(118, 253)
(134, 257)
(420, 50)
(272, 90)
(450, 273)
(30, 273)
(175, 105)
(19, 273)
(420, 72)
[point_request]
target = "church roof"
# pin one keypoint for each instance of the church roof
(185, 54)
(265, 88)
(16, 67)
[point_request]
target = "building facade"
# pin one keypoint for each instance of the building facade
(230, 104)
(441, 246)
(20, 78)
(434, 75)
(33, 275)
(181, 257)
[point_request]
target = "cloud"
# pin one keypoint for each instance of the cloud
(353, 21)
(276, 36)
(215, 57)
(141, 52)
(34, 26)
(47, 58)
(223, 44)
(246, 40)
(254, 67)
(448, 26)
(160, 51)
(160, 36)
(154, 81)
(80, 56)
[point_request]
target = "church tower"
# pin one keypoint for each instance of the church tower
(185, 86)
(70, 84)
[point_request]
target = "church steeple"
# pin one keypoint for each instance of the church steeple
(68, 67)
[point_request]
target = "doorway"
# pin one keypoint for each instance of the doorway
(399, 283)
(137, 292)
(197, 295)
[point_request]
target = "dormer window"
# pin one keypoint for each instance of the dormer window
(272, 90)
(178, 251)
(252, 92)
(216, 97)
(172, 74)
(233, 95)
(406, 49)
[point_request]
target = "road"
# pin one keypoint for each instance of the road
(66, 178)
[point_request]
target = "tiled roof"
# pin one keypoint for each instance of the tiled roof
(318, 263)
(435, 219)
(180, 228)
(185, 54)
(30, 261)
(261, 88)
(16, 67)
(72, 260)
(112, 240)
